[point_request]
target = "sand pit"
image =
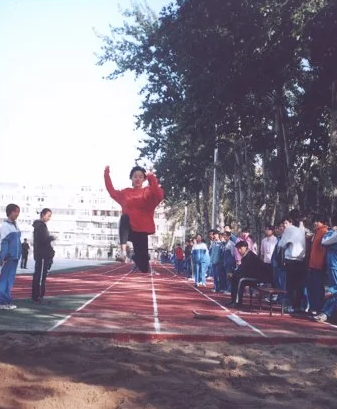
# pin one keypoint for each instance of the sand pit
(47, 372)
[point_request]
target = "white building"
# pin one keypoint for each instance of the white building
(85, 219)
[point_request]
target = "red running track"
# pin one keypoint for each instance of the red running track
(137, 306)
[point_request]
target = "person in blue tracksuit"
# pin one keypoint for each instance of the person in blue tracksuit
(10, 254)
(200, 258)
(216, 257)
(329, 240)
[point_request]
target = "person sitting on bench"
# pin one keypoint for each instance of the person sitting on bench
(250, 272)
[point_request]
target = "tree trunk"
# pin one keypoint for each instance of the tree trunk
(236, 191)
(205, 205)
(333, 146)
(248, 171)
(221, 207)
(268, 193)
(241, 217)
(173, 236)
(198, 208)
(281, 171)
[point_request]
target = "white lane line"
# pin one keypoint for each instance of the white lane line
(156, 322)
(65, 319)
(114, 269)
(328, 323)
(233, 317)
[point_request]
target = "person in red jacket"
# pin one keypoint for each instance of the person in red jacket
(317, 270)
(138, 205)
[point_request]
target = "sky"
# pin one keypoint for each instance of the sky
(60, 121)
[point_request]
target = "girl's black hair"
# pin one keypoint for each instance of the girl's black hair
(136, 169)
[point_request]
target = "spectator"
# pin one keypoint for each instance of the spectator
(227, 229)
(209, 270)
(249, 271)
(210, 236)
(43, 255)
(24, 253)
(267, 248)
(179, 258)
(293, 244)
(316, 278)
(278, 263)
(200, 259)
(244, 236)
(9, 255)
(330, 242)
(216, 256)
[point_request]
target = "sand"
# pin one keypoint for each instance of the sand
(68, 372)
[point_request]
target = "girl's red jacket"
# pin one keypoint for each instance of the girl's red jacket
(138, 204)
(318, 252)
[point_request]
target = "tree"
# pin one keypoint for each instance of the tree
(251, 78)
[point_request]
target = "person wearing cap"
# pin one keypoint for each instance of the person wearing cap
(267, 248)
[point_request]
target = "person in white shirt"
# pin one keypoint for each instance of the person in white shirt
(268, 244)
(267, 248)
(293, 243)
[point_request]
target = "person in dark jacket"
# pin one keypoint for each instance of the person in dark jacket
(250, 271)
(43, 255)
(24, 253)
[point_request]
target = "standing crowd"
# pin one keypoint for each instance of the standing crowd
(298, 259)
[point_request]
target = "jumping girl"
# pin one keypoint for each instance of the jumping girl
(138, 206)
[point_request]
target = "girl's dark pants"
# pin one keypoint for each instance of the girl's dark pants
(139, 241)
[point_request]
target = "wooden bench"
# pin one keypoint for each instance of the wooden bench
(268, 292)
